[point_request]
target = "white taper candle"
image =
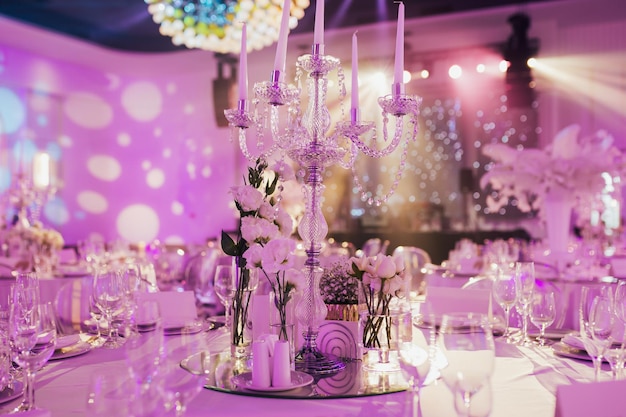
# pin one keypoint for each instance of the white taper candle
(281, 46)
(243, 66)
(355, 73)
(318, 32)
(398, 73)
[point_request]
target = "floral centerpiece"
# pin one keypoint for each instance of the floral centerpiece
(276, 260)
(262, 236)
(567, 173)
(35, 245)
(340, 291)
(382, 279)
(570, 165)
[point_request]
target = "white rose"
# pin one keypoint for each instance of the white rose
(278, 255)
(284, 222)
(259, 230)
(253, 255)
(267, 211)
(248, 197)
(383, 266)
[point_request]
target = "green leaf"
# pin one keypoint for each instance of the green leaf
(228, 245)
(270, 188)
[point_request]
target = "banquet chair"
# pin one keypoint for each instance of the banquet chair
(414, 260)
(486, 283)
(72, 305)
(373, 246)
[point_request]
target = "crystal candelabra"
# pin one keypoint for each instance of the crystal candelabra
(25, 197)
(303, 137)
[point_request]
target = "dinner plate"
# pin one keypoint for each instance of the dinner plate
(298, 379)
(11, 393)
(188, 328)
(567, 351)
(79, 348)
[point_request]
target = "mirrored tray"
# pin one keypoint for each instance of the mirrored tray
(351, 382)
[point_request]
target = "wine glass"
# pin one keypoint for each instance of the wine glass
(144, 349)
(180, 386)
(415, 351)
(504, 291)
(225, 288)
(109, 293)
(466, 341)
(587, 295)
(602, 323)
(32, 337)
(525, 284)
(108, 394)
(542, 313)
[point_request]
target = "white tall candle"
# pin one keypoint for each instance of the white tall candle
(398, 73)
(281, 46)
(318, 30)
(355, 72)
(243, 65)
(41, 170)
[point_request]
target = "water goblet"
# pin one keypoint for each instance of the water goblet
(504, 291)
(466, 341)
(602, 324)
(144, 348)
(225, 287)
(32, 337)
(587, 296)
(108, 394)
(525, 285)
(542, 313)
(180, 386)
(109, 295)
(415, 352)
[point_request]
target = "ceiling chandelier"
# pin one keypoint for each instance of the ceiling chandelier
(210, 24)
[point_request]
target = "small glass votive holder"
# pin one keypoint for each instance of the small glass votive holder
(286, 332)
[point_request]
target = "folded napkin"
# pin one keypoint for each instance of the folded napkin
(65, 341)
(574, 340)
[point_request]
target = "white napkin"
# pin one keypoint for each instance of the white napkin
(574, 340)
(65, 341)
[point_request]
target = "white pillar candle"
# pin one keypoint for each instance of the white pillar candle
(281, 46)
(281, 373)
(260, 365)
(398, 73)
(41, 170)
(243, 65)
(355, 73)
(318, 30)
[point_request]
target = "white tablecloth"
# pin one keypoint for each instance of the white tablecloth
(524, 384)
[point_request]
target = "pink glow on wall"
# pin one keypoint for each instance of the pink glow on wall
(137, 157)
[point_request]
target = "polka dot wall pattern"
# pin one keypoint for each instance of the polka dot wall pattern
(136, 157)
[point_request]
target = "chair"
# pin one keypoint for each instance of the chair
(414, 261)
(515, 317)
(373, 246)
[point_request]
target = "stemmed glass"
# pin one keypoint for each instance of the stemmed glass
(525, 284)
(466, 340)
(225, 287)
(602, 323)
(145, 354)
(180, 386)
(587, 296)
(620, 314)
(543, 313)
(109, 294)
(504, 291)
(415, 351)
(32, 337)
